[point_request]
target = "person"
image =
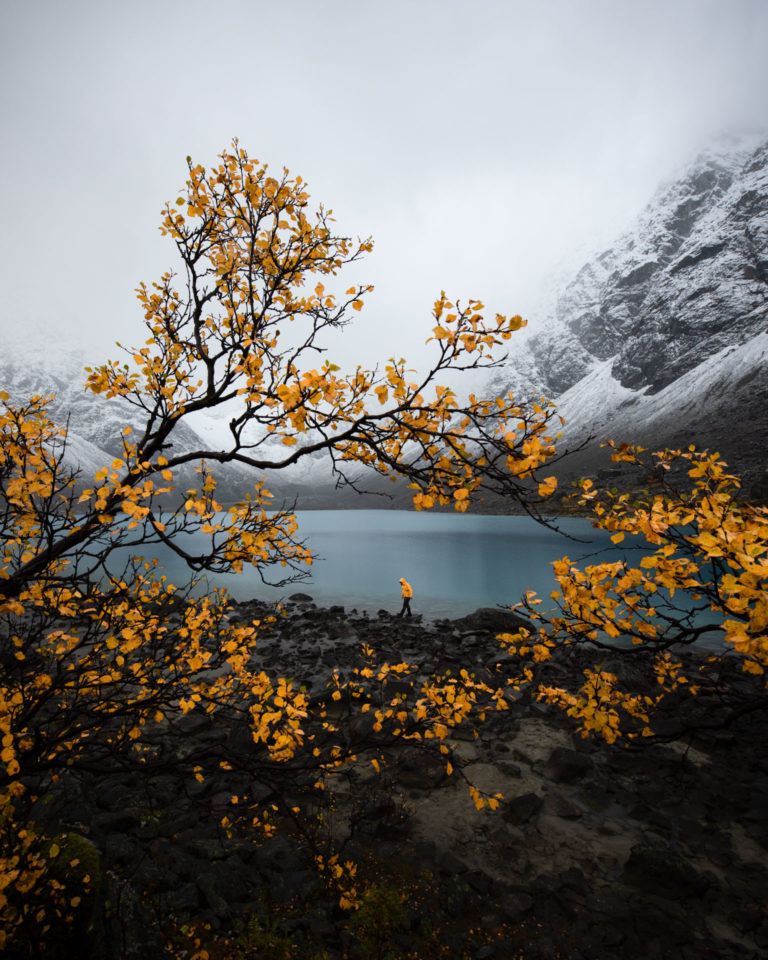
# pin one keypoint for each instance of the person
(407, 591)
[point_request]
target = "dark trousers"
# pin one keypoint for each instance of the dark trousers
(406, 606)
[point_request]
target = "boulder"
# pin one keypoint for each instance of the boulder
(493, 620)
(565, 766)
(659, 869)
(521, 809)
(514, 906)
(420, 770)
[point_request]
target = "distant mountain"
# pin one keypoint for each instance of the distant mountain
(662, 339)
(95, 425)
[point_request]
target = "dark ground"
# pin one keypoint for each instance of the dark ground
(596, 851)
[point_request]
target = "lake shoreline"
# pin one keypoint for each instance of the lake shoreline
(455, 562)
(655, 851)
(658, 852)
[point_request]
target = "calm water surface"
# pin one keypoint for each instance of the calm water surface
(455, 562)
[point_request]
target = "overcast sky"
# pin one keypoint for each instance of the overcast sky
(482, 145)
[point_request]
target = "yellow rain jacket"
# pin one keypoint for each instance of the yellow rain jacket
(407, 588)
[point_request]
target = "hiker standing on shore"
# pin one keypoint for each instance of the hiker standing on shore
(407, 591)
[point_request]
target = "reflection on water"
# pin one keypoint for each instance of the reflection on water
(455, 562)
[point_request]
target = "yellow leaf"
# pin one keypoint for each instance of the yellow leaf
(547, 486)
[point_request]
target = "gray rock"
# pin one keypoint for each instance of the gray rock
(566, 766)
(521, 809)
(420, 770)
(492, 619)
(683, 287)
(487, 952)
(290, 885)
(514, 906)
(206, 848)
(560, 806)
(659, 869)
(479, 881)
(210, 896)
(184, 899)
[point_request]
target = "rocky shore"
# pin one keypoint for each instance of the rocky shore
(596, 851)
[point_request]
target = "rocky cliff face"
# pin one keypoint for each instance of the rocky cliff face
(662, 337)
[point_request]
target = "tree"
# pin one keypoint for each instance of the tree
(685, 626)
(101, 657)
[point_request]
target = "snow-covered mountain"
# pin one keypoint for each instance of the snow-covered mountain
(663, 338)
(95, 424)
(31, 366)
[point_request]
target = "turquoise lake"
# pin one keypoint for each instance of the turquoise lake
(455, 562)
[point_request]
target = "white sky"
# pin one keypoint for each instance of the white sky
(482, 145)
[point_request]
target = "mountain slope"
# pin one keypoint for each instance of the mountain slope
(660, 339)
(95, 425)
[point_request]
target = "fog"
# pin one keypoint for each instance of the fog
(487, 150)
